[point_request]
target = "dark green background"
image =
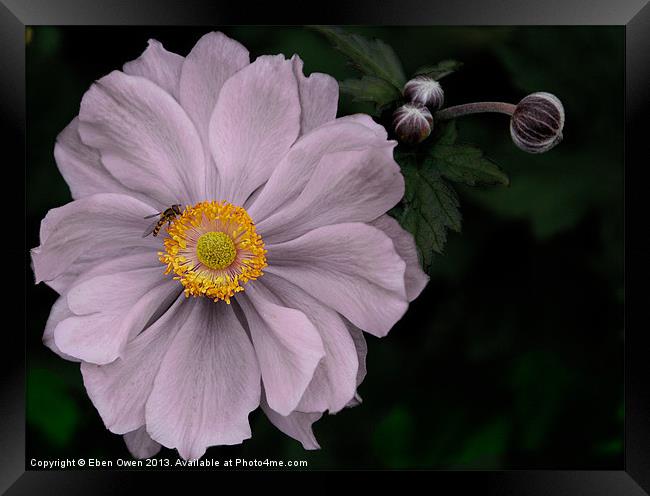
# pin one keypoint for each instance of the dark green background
(512, 357)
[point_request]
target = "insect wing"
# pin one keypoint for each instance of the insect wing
(152, 215)
(150, 229)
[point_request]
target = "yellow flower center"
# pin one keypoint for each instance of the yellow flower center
(216, 250)
(213, 249)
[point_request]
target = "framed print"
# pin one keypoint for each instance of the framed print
(398, 238)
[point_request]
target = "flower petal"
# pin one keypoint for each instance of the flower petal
(295, 169)
(96, 222)
(140, 444)
(212, 61)
(208, 383)
(415, 278)
(146, 140)
(287, 345)
(362, 351)
(349, 186)
(255, 121)
(119, 390)
(367, 121)
(101, 337)
(82, 169)
(297, 425)
(118, 290)
(86, 263)
(59, 312)
(158, 66)
(334, 382)
(319, 97)
(352, 267)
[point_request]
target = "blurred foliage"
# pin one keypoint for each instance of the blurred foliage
(512, 357)
(50, 406)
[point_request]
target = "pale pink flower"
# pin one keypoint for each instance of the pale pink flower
(285, 273)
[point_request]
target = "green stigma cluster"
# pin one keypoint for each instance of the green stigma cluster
(216, 250)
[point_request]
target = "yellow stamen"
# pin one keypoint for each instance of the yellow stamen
(213, 249)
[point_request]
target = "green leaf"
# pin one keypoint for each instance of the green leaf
(430, 208)
(371, 57)
(439, 70)
(465, 164)
(446, 132)
(370, 89)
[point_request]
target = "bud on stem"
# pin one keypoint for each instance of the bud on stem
(412, 122)
(536, 122)
(425, 91)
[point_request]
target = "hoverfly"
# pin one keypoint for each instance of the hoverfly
(168, 215)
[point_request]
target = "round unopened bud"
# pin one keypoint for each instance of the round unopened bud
(412, 123)
(424, 90)
(537, 122)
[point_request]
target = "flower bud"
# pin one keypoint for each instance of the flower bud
(412, 122)
(424, 90)
(537, 122)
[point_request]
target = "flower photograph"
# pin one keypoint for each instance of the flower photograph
(334, 247)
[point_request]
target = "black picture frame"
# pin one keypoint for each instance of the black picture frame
(632, 479)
